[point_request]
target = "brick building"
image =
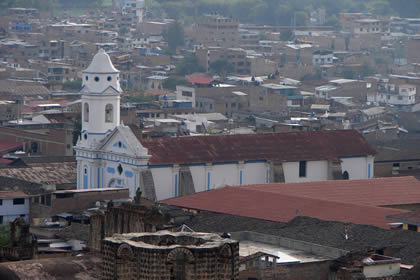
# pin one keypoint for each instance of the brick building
(217, 31)
(167, 255)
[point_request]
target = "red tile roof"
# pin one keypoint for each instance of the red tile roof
(199, 78)
(281, 208)
(369, 192)
(290, 146)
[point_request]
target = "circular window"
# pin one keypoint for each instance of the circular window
(96, 79)
(85, 136)
(87, 78)
(109, 78)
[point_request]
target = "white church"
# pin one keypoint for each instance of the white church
(109, 154)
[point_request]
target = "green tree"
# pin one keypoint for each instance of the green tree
(286, 35)
(188, 65)
(221, 67)
(174, 37)
(173, 81)
(73, 85)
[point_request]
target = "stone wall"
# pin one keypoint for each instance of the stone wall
(166, 255)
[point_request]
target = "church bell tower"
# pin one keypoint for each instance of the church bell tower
(100, 100)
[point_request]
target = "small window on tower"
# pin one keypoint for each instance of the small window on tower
(87, 78)
(109, 113)
(96, 79)
(120, 169)
(109, 78)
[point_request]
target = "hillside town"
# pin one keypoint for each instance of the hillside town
(139, 144)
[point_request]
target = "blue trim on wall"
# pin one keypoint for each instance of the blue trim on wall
(128, 174)
(103, 183)
(267, 176)
(208, 181)
(135, 182)
(85, 177)
(110, 170)
(160, 166)
(225, 163)
(368, 170)
(363, 156)
(255, 161)
(176, 185)
(90, 179)
(125, 162)
(240, 177)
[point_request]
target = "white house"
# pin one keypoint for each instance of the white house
(13, 205)
(110, 155)
(322, 57)
(402, 95)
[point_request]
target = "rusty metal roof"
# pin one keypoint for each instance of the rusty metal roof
(290, 146)
(44, 173)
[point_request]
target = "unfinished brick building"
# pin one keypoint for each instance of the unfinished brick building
(124, 218)
(167, 255)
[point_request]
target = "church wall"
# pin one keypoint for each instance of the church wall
(164, 179)
(315, 171)
(255, 173)
(358, 167)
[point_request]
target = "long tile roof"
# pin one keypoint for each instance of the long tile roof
(290, 146)
(355, 201)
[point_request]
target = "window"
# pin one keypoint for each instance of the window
(96, 79)
(396, 164)
(187, 93)
(1, 219)
(1, 201)
(48, 199)
(120, 169)
(345, 175)
(302, 168)
(109, 78)
(87, 78)
(18, 201)
(109, 113)
(86, 112)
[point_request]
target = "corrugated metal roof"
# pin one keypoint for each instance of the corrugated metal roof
(290, 146)
(280, 207)
(44, 173)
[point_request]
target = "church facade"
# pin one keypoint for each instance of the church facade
(109, 154)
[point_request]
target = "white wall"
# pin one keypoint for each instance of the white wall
(164, 182)
(358, 167)
(315, 171)
(10, 212)
(381, 270)
(254, 173)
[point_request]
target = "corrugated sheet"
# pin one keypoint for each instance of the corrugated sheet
(291, 146)
(44, 173)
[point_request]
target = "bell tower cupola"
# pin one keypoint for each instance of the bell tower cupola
(100, 99)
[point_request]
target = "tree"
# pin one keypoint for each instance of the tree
(73, 85)
(188, 65)
(173, 81)
(222, 67)
(286, 35)
(174, 37)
